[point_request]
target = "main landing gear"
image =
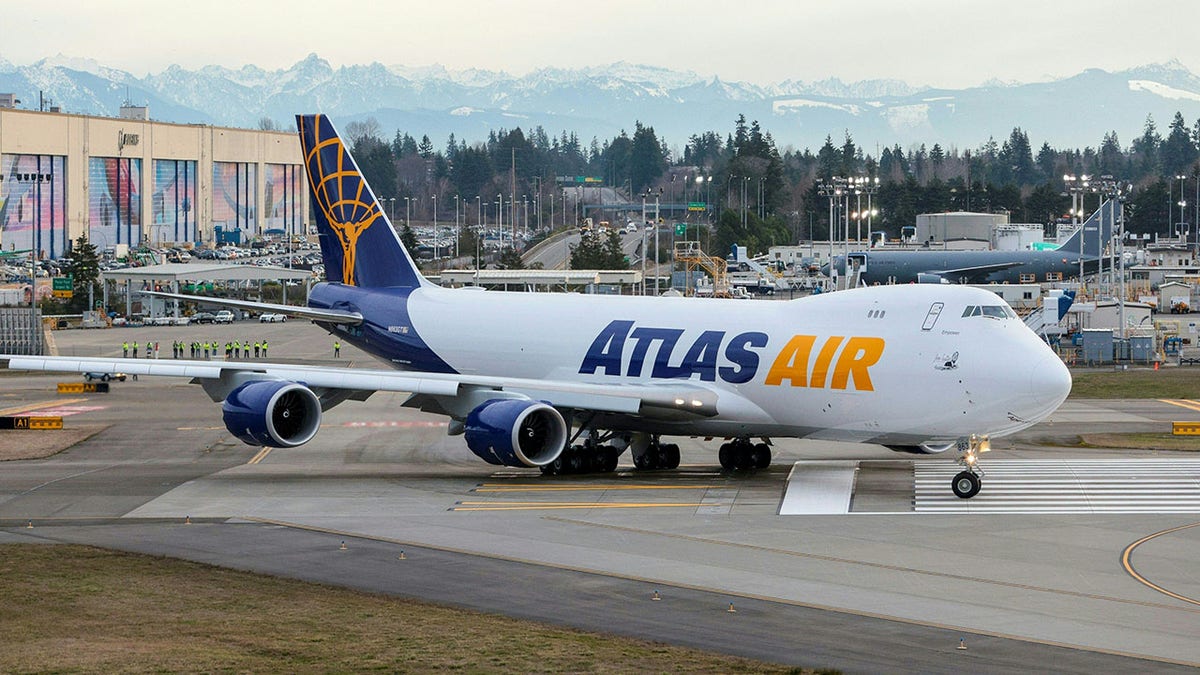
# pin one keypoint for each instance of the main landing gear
(587, 458)
(742, 455)
(966, 483)
(657, 456)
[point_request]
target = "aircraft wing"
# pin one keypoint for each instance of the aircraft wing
(325, 315)
(974, 275)
(444, 392)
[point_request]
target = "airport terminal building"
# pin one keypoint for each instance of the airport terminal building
(130, 180)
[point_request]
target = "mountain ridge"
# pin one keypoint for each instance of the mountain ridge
(603, 100)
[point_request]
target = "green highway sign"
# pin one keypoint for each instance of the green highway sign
(63, 284)
(697, 206)
(680, 229)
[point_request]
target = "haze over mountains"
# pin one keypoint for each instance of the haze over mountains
(601, 101)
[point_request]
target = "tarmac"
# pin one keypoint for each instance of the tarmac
(880, 586)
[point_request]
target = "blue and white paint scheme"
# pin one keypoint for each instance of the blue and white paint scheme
(567, 383)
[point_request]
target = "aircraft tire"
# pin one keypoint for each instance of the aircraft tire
(726, 456)
(670, 456)
(965, 485)
(575, 461)
(609, 462)
(762, 456)
(743, 457)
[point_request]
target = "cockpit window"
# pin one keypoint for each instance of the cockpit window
(994, 311)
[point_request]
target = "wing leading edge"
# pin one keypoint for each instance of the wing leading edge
(450, 391)
(324, 315)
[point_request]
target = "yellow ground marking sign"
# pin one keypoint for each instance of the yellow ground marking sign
(30, 422)
(1185, 428)
(83, 387)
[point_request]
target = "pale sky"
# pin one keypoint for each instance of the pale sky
(944, 43)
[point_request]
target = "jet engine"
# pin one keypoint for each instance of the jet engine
(273, 413)
(922, 449)
(516, 432)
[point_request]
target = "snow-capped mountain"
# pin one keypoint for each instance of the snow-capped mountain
(602, 100)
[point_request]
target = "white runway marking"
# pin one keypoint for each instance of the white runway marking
(819, 487)
(1066, 486)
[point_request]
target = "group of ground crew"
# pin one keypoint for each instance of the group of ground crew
(205, 350)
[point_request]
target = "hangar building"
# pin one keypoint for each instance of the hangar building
(130, 180)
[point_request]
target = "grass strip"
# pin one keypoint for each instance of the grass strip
(69, 608)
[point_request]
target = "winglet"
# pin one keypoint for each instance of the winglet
(358, 244)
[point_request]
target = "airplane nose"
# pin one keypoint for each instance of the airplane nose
(1050, 381)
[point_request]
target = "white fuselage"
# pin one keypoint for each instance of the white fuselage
(896, 365)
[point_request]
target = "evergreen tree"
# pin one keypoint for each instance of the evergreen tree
(646, 159)
(408, 238)
(1178, 151)
(510, 259)
(1146, 149)
(85, 273)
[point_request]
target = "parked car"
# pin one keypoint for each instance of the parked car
(272, 318)
(203, 317)
(223, 316)
(104, 377)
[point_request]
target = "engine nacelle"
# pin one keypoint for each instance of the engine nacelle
(272, 413)
(922, 449)
(516, 432)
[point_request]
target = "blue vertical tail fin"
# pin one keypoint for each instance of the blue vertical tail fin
(358, 244)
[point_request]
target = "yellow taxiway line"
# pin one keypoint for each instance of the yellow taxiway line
(1127, 563)
(38, 406)
(262, 454)
(530, 506)
(1182, 403)
(586, 488)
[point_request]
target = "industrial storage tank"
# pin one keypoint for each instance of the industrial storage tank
(958, 225)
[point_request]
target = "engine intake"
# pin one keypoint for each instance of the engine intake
(272, 413)
(516, 432)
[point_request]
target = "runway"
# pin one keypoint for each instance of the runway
(872, 588)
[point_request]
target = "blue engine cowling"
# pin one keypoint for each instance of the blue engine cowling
(273, 413)
(516, 432)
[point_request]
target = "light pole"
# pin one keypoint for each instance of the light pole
(435, 228)
(408, 212)
(871, 186)
(500, 218)
(1181, 203)
(832, 189)
(457, 231)
(1077, 185)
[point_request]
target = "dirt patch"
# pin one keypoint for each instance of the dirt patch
(25, 444)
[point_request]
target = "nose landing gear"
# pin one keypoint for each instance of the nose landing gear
(967, 483)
